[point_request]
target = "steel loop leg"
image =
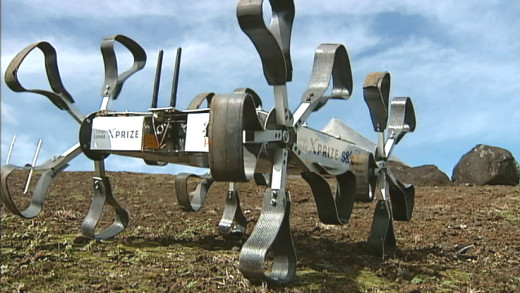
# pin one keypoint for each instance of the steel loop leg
(233, 221)
(381, 240)
(102, 194)
(49, 170)
(272, 235)
(38, 196)
(402, 197)
(198, 195)
(333, 210)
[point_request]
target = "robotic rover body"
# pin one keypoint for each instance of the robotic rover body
(239, 141)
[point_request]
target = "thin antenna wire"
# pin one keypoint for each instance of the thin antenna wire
(35, 158)
(10, 150)
(157, 82)
(175, 84)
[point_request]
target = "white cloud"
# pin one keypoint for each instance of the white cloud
(8, 114)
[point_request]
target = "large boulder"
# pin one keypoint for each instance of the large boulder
(487, 165)
(426, 175)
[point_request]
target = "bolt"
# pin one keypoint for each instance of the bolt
(275, 194)
(286, 136)
(273, 202)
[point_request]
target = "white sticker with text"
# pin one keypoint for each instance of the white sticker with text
(196, 133)
(117, 133)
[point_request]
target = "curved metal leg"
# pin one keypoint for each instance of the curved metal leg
(233, 221)
(37, 198)
(198, 196)
(50, 169)
(396, 200)
(402, 197)
(102, 195)
(272, 234)
(381, 240)
(333, 209)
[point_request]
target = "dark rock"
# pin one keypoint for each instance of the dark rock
(487, 165)
(426, 175)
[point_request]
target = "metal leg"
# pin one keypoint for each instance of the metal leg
(272, 235)
(403, 198)
(333, 209)
(396, 200)
(381, 240)
(102, 194)
(233, 221)
(50, 169)
(197, 197)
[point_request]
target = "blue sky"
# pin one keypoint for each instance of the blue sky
(458, 60)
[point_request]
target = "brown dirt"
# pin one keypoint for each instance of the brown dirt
(165, 249)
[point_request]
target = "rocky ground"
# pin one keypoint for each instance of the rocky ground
(461, 239)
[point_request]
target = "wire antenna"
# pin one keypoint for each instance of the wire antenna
(175, 84)
(35, 158)
(10, 150)
(157, 82)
